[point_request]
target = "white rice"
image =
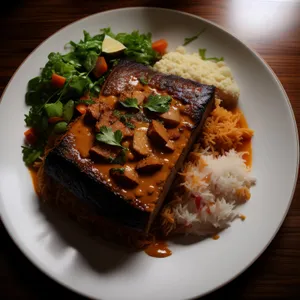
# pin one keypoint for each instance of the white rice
(214, 187)
(191, 66)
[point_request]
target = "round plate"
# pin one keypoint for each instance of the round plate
(100, 270)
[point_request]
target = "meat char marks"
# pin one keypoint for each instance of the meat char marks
(127, 179)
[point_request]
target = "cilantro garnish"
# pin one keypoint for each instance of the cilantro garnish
(191, 39)
(143, 80)
(158, 103)
(130, 103)
(202, 53)
(107, 136)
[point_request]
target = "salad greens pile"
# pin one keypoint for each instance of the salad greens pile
(54, 102)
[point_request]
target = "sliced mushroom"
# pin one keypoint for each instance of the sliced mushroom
(141, 142)
(126, 177)
(109, 120)
(174, 134)
(171, 118)
(120, 126)
(158, 133)
(149, 164)
(139, 96)
(104, 152)
(170, 146)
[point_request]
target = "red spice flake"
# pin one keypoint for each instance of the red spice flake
(188, 225)
(198, 200)
(208, 210)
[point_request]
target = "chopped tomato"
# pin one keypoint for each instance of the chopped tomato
(58, 81)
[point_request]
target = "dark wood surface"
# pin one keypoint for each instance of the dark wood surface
(272, 27)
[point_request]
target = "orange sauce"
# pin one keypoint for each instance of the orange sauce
(243, 217)
(216, 237)
(34, 179)
(150, 185)
(158, 249)
(246, 146)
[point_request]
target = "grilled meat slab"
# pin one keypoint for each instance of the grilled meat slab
(130, 184)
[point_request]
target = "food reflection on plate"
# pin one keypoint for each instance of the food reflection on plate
(138, 144)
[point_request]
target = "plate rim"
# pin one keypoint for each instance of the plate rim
(43, 267)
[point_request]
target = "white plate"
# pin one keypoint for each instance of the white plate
(98, 270)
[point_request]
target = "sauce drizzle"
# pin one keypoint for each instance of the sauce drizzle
(158, 249)
(246, 146)
(34, 178)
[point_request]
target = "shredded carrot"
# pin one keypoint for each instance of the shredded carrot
(202, 164)
(167, 220)
(168, 215)
(160, 46)
(222, 130)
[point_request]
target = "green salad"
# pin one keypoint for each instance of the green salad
(69, 82)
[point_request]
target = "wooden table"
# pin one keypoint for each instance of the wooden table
(272, 27)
